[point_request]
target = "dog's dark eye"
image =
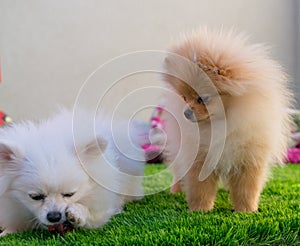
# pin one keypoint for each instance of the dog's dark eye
(37, 197)
(68, 194)
(203, 100)
(184, 98)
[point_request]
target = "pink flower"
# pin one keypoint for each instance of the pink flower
(293, 155)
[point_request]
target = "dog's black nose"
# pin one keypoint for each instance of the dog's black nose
(54, 216)
(188, 114)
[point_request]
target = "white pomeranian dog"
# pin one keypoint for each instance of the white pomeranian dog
(61, 170)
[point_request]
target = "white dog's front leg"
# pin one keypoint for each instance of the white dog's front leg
(77, 214)
(5, 232)
(81, 216)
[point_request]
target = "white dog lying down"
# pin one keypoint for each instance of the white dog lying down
(46, 180)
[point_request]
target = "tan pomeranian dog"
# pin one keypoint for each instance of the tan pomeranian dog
(226, 117)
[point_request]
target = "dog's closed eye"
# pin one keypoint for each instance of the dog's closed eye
(37, 197)
(70, 194)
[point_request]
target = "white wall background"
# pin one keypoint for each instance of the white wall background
(48, 48)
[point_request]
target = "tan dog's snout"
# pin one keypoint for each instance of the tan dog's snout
(189, 114)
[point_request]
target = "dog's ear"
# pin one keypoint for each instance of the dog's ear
(10, 158)
(9, 153)
(94, 148)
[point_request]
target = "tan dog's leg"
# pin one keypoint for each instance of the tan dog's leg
(175, 187)
(246, 186)
(200, 195)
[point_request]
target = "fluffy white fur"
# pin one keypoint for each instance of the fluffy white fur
(254, 98)
(40, 159)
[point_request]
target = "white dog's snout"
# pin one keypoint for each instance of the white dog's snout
(54, 216)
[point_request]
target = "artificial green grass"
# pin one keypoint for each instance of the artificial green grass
(163, 219)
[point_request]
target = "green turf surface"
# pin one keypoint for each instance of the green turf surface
(163, 219)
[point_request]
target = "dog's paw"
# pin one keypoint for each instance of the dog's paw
(76, 214)
(5, 232)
